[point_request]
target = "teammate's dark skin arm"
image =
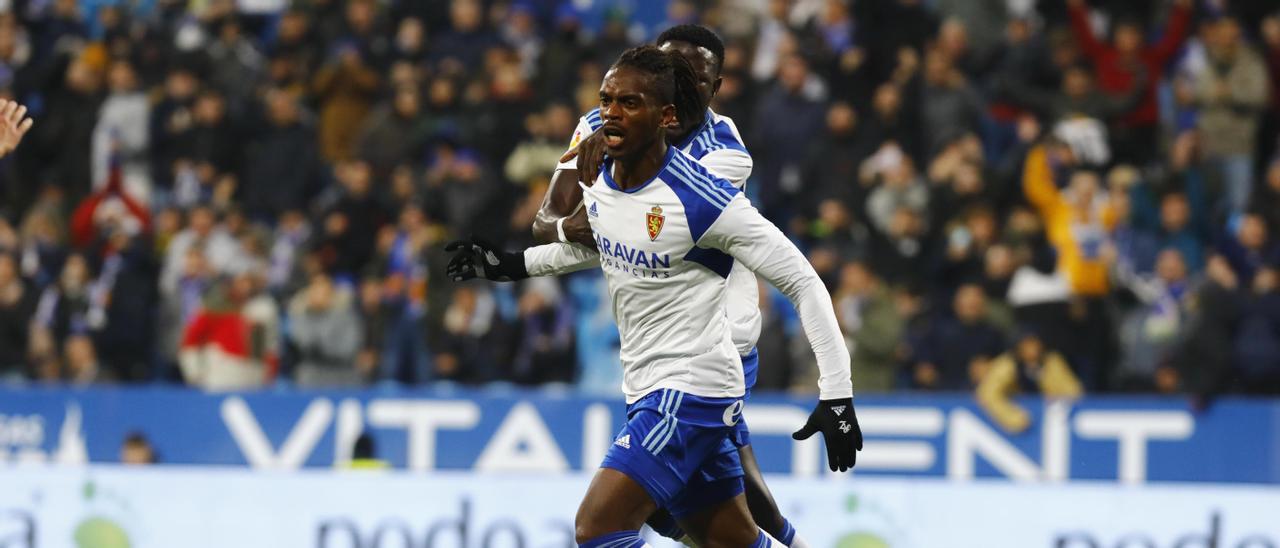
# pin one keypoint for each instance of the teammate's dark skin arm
(564, 195)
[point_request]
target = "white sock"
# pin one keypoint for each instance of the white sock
(798, 542)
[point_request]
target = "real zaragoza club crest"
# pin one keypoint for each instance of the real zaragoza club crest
(654, 221)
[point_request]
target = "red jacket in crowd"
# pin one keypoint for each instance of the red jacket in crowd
(1115, 73)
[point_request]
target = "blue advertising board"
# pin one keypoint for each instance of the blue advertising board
(1131, 440)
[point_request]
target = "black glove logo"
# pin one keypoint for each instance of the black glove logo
(841, 433)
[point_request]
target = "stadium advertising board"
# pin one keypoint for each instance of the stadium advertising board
(55, 507)
(1129, 440)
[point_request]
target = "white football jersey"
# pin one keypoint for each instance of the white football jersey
(667, 248)
(718, 146)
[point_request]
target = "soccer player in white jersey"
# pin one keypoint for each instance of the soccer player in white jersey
(668, 232)
(713, 141)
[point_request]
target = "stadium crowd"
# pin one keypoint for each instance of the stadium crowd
(1002, 195)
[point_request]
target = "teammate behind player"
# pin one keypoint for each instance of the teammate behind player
(668, 232)
(713, 141)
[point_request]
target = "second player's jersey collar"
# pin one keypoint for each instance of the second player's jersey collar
(607, 170)
(707, 124)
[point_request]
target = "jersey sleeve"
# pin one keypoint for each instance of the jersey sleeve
(587, 125)
(558, 258)
(743, 233)
(731, 163)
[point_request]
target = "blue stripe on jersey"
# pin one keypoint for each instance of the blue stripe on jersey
(715, 260)
(593, 119)
(713, 137)
(702, 194)
(722, 136)
(705, 127)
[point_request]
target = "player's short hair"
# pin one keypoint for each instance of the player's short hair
(697, 35)
(672, 76)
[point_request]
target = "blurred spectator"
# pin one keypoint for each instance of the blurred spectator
(468, 38)
(126, 287)
(788, 119)
(137, 450)
(948, 103)
(81, 362)
(364, 455)
(1256, 349)
(900, 253)
(549, 131)
(1250, 247)
(281, 162)
(59, 144)
(871, 326)
(1150, 332)
(1267, 198)
(66, 308)
(460, 189)
(229, 343)
(831, 166)
(468, 353)
(1028, 368)
(210, 142)
(359, 212)
(375, 320)
(544, 331)
(235, 63)
(1127, 63)
(1077, 219)
(203, 232)
(394, 132)
(1231, 94)
(171, 121)
(1202, 363)
(122, 133)
(956, 351)
(401, 254)
(17, 303)
(113, 208)
(326, 332)
(897, 185)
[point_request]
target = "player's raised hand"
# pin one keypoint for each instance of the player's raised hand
(476, 258)
(839, 426)
(14, 124)
(590, 155)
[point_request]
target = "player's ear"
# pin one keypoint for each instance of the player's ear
(715, 88)
(669, 117)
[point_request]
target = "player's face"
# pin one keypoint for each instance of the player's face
(634, 116)
(705, 67)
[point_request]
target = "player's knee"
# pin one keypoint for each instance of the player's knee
(586, 530)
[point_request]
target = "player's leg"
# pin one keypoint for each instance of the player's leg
(663, 523)
(612, 511)
(764, 510)
(640, 472)
(711, 508)
(727, 524)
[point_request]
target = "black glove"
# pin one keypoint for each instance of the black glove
(839, 427)
(476, 258)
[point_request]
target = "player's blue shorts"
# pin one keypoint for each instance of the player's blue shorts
(741, 436)
(678, 447)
